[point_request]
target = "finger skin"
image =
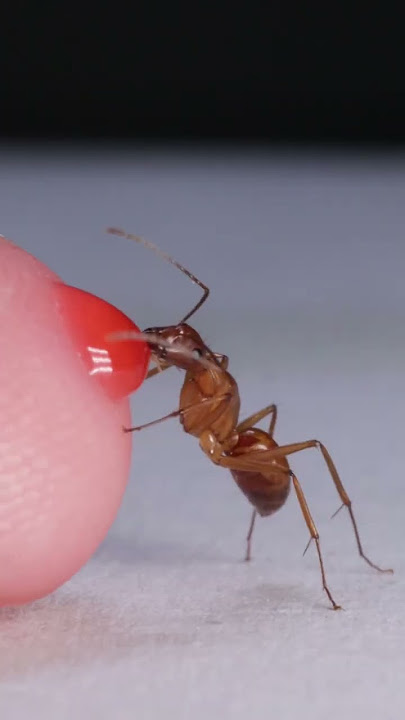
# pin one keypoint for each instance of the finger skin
(64, 460)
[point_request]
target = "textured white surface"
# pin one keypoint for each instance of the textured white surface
(305, 258)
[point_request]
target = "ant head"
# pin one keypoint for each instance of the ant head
(181, 346)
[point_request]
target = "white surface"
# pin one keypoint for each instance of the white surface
(305, 258)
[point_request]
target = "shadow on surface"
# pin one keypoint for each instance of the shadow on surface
(122, 550)
(174, 610)
(69, 631)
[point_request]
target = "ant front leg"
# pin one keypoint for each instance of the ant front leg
(158, 369)
(223, 360)
(218, 400)
(249, 536)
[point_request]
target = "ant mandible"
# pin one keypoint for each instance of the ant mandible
(209, 409)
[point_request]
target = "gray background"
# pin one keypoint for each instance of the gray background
(305, 257)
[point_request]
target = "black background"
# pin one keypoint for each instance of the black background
(253, 71)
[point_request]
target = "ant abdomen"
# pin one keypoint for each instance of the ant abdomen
(267, 491)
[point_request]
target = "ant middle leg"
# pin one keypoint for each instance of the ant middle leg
(256, 417)
(244, 425)
(249, 536)
(253, 464)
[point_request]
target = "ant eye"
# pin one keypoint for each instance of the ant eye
(197, 352)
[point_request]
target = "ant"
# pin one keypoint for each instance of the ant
(209, 409)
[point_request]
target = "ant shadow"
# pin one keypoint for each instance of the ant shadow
(68, 632)
(222, 568)
(265, 601)
(216, 562)
(124, 551)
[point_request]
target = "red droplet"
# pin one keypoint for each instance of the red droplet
(119, 366)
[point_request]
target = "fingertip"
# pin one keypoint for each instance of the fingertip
(64, 460)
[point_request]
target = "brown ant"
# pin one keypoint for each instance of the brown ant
(209, 409)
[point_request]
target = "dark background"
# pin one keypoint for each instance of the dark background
(172, 71)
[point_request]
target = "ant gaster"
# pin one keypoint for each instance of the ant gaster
(209, 409)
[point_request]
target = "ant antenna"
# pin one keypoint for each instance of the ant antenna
(158, 251)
